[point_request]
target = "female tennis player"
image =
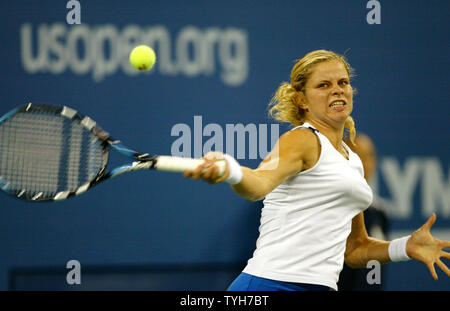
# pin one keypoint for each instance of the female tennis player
(314, 190)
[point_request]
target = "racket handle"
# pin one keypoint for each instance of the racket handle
(178, 164)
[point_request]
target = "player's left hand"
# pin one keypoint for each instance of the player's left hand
(422, 246)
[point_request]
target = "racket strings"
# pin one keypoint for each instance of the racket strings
(47, 153)
(26, 152)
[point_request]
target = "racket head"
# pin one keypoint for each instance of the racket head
(50, 153)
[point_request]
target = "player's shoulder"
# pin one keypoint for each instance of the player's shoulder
(300, 139)
(302, 135)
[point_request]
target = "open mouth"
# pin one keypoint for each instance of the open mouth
(338, 104)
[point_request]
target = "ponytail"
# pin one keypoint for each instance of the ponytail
(284, 105)
(350, 126)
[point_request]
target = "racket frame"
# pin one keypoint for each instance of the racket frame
(142, 160)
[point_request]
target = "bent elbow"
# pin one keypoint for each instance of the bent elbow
(352, 255)
(255, 198)
(351, 263)
(250, 196)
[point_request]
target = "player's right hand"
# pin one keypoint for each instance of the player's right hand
(208, 171)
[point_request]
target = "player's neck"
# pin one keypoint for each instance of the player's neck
(334, 134)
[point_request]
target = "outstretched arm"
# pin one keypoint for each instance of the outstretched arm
(295, 151)
(421, 246)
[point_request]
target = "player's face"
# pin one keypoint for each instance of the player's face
(328, 94)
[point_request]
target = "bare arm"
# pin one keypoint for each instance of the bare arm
(289, 156)
(295, 151)
(361, 248)
(421, 246)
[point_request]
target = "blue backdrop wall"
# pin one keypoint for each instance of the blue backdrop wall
(219, 63)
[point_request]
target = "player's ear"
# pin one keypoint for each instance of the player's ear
(301, 101)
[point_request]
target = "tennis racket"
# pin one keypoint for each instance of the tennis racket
(50, 153)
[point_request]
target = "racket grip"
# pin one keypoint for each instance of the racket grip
(179, 165)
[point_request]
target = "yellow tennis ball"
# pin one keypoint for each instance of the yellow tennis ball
(142, 57)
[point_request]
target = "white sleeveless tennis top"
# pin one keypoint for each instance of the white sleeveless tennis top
(306, 220)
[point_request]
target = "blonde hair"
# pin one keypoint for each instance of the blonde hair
(284, 105)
